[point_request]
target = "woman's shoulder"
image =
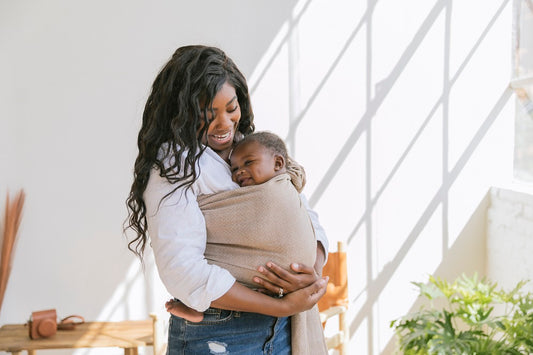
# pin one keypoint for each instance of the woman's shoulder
(212, 172)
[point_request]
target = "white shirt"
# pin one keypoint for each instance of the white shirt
(177, 231)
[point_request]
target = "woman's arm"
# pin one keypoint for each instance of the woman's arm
(241, 298)
(320, 258)
(177, 233)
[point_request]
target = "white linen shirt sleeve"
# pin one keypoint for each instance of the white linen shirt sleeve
(177, 232)
(320, 233)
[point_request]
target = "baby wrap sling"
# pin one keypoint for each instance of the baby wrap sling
(251, 225)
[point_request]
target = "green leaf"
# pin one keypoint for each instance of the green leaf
(467, 324)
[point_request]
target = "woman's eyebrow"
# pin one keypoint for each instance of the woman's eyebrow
(229, 103)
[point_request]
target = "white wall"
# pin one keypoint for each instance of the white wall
(398, 110)
(509, 237)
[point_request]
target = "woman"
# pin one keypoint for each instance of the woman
(199, 105)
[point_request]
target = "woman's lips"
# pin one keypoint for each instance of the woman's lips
(221, 138)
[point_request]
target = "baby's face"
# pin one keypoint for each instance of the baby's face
(253, 164)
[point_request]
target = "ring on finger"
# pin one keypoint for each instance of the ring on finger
(280, 293)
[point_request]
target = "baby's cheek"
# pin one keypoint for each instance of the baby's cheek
(234, 177)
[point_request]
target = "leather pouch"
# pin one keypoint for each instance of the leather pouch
(43, 324)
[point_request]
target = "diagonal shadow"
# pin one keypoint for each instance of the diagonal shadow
(284, 40)
(441, 100)
(441, 196)
(462, 246)
(296, 121)
(395, 168)
(384, 89)
(384, 277)
(445, 98)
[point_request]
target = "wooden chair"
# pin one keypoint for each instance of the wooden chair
(159, 331)
(335, 301)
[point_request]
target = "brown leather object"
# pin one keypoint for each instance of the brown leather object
(43, 324)
(337, 289)
(69, 322)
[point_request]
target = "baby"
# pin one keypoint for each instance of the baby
(254, 160)
(258, 158)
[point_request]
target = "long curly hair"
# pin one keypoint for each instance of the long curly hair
(173, 124)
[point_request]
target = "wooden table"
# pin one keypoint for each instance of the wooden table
(128, 335)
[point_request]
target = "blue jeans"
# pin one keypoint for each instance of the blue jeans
(230, 332)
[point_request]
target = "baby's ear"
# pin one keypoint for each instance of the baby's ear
(279, 162)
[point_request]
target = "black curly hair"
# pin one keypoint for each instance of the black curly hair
(173, 124)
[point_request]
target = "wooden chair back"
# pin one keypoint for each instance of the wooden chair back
(335, 301)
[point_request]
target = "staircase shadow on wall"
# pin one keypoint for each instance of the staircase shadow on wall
(466, 256)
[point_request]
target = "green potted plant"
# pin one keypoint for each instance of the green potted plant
(469, 316)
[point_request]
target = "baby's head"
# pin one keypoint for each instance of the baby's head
(257, 158)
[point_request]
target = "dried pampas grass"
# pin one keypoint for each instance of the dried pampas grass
(13, 215)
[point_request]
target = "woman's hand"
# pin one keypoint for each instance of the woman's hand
(275, 277)
(242, 298)
(299, 277)
(303, 299)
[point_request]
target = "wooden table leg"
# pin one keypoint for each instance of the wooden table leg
(131, 351)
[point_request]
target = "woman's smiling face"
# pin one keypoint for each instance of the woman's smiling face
(223, 119)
